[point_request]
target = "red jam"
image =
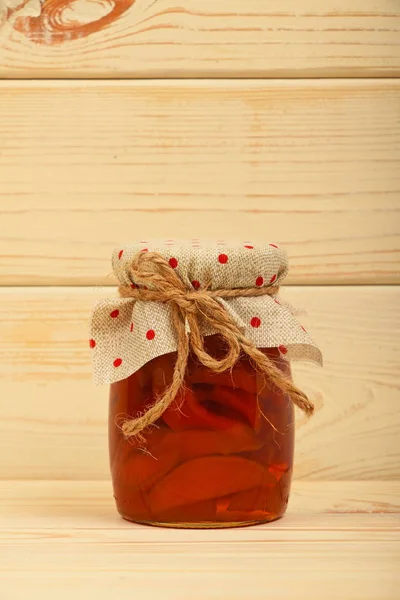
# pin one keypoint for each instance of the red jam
(221, 454)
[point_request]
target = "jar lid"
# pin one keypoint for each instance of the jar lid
(227, 265)
(126, 333)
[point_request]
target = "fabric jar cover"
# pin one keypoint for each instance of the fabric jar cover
(127, 333)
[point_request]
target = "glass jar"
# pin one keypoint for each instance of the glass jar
(220, 456)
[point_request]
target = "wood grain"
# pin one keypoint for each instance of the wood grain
(216, 38)
(64, 539)
(29, 505)
(53, 422)
(311, 165)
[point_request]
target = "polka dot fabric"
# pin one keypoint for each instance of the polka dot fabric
(126, 334)
(220, 264)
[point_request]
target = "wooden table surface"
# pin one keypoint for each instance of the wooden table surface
(64, 539)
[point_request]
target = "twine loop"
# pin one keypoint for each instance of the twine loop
(156, 281)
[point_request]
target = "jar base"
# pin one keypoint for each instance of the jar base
(203, 525)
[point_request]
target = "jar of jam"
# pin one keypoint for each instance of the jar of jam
(201, 417)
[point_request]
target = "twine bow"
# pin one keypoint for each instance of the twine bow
(151, 270)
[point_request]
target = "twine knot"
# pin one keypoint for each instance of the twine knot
(187, 301)
(156, 281)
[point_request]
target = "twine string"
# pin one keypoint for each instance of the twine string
(159, 282)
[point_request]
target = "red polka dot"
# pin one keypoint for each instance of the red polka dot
(151, 334)
(303, 328)
(277, 301)
(259, 281)
(92, 343)
(145, 250)
(273, 278)
(255, 322)
(114, 314)
(173, 263)
(274, 245)
(133, 286)
(223, 259)
(196, 284)
(120, 253)
(117, 362)
(249, 247)
(131, 327)
(282, 349)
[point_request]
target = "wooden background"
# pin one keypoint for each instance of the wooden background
(270, 120)
(199, 38)
(230, 133)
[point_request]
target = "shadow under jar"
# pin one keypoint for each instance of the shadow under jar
(220, 456)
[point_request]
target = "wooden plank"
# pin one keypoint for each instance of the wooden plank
(53, 532)
(35, 505)
(313, 165)
(367, 571)
(217, 38)
(66, 505)
(53, 420)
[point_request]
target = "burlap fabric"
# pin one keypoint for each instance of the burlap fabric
(127, 333)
